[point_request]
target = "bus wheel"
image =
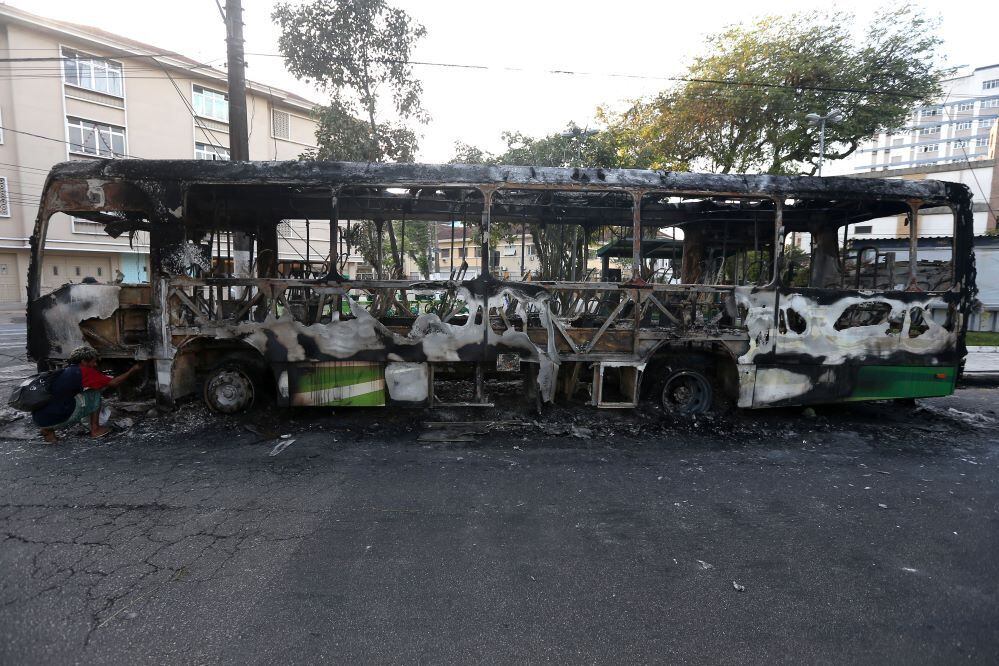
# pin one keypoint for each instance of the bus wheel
(687, 392)
(229, 389)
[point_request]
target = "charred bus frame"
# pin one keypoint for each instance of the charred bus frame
(728, 318)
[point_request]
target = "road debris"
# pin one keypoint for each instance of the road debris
(704, 565)
(281, 446)
(738, 588)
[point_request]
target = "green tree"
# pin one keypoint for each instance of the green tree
(742, 107)
(359, 51)
(342, 136)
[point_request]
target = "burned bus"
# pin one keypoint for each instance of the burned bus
(725, 288)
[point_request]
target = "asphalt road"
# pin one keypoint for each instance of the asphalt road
(865, 534)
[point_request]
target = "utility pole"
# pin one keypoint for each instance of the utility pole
(239, 141)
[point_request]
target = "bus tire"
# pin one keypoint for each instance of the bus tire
(687, 392)
(230, 388)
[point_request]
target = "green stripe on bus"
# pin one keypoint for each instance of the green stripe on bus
(879, 382)
(319, 379)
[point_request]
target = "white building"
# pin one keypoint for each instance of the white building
(957, 129)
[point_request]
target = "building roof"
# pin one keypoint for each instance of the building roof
(126, 46)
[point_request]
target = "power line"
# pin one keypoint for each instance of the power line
(204, 128)
(569, 72)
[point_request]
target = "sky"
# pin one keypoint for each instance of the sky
(520, 42)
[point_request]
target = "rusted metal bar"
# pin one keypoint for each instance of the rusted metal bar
(913, 242)
(487, 204)
(636, 236)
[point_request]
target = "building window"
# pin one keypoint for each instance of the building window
(966, 125)
(990, 103)
(931, 111)
(966, 106)
(932, 129)
(991, 84)
(863, 230)
(211, 104)
(92, 73)
(90, 138)
(981, 143)
(284, 229)
(4, 198)
(446, 253)
(281, 122)
(204, 151)
(81, 226)
(985, 123)
(961, 144)
(55, 271)
(928, 148)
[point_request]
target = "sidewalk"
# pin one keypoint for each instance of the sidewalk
(12, 313)
(982, 361)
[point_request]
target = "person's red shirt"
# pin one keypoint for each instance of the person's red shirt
(93, 379)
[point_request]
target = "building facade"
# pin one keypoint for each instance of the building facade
(70, 92)
(957, 129)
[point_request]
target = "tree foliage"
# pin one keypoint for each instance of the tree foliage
(359, 51)
(342, 136)
(742, 107)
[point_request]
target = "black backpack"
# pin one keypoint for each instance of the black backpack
(34, 392)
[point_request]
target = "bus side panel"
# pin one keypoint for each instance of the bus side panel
(880, 382)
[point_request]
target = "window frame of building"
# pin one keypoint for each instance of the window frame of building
(990, 84)
(274, 125)
(445, 253)
(930, 111)
(932, 129)
(206, 151)
(928, 148)
(961, 143)
(985, 124)
(4, 197)
(966, 106)
(990, 103)
(200, 93)
(982, 142)
(963, 125)
(80, 148)
(93, 64)
(74, 221)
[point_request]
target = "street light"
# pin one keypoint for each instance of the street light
(834, 116)
(579, 137)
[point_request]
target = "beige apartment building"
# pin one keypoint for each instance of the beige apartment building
(71, 92)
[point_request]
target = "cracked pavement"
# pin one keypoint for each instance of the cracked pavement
(867, 533)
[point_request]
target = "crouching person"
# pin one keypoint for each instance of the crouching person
(76, 395)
